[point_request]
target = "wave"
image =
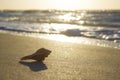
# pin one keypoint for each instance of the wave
(85, 18)
(100, 25)
(100, 33)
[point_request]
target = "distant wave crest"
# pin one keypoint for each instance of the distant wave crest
(89, 18)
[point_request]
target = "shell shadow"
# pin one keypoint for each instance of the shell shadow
(35, 66)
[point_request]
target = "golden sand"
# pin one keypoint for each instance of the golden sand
(68, 61)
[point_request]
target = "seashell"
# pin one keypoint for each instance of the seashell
(39, 55)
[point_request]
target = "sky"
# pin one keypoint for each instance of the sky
(60, 4)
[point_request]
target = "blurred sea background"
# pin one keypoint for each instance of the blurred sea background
(96, 27)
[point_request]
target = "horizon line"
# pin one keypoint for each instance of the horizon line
(59, 10)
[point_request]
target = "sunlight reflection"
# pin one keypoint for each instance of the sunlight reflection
(81, 22)
(83, 14)
(73, 18)
(63, 27)
(67, 17)
(63, 38)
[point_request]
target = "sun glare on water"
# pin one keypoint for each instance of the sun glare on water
(67, 17)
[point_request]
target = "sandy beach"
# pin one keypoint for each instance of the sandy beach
(68, 61)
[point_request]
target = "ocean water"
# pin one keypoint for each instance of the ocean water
(101, 28)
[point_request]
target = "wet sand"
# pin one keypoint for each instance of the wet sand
(68, 61)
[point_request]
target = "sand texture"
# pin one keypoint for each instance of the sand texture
(68, 61)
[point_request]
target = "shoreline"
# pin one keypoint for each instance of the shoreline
(68, 61)
(64, 38)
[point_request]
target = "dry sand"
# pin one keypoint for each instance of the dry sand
(68, 61)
